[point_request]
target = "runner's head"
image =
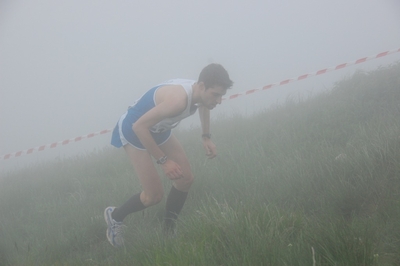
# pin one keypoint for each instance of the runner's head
(215, 75)
(213, 81)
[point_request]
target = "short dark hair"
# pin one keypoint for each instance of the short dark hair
(215, 75)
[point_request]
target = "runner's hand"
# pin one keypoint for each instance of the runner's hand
(172, 170)
(209, 146)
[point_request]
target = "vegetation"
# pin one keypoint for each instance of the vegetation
(311, 182)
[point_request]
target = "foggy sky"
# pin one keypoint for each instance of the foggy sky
(69, 68)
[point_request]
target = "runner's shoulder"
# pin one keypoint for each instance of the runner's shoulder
(174, 94)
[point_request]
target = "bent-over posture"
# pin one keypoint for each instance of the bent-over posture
(145, 133)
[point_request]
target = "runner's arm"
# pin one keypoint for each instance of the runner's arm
(208, 145)
(169, 107)
(204, 114)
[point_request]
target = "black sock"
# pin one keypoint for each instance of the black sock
(133, 204)
(175, 201)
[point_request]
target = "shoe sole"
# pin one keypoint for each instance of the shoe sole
(107, 218)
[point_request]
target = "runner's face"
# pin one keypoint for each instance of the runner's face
(213, 96)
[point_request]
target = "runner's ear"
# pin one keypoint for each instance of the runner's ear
(201, 85)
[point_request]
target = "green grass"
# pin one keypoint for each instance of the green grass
(311, 182)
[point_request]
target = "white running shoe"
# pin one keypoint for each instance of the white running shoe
(114, 229)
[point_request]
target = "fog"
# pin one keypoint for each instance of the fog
(69, 68)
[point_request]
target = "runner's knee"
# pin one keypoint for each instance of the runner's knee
(149, 199)
(185, 183)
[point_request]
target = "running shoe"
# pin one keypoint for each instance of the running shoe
(114, 228)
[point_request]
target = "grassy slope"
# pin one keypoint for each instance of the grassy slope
(277, 193)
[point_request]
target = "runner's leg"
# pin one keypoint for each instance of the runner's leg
(149, 179)
(179, 191)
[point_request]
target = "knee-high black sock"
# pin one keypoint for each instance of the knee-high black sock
(133, 204)
(175, 201)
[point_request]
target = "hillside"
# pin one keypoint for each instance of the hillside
(311, 182)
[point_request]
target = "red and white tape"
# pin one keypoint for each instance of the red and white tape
(283, 82)
(316, 73)
(53, 145)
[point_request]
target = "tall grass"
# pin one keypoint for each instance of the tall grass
(312, 182)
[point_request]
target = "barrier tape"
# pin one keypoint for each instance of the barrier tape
(319, 72)
(54, 144)
(234, 96)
